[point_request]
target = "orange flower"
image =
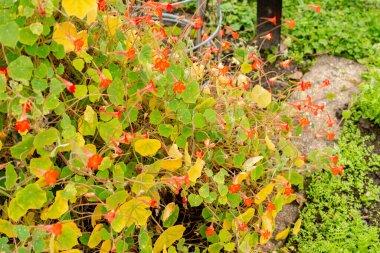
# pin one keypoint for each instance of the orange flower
(153, 203)
(284, 126)
(290, 23)
(269, 36)
(226, 45)
(242, 226)
(22, 126)
(330, 121)
(56, 229)
(4, 71)
(285, 64)
(302, 85)
(78, 44)
(197, 23)
(159, 33)
(234, 188)
(51, 177)
(248, 201)
(199, 153)
(333, 158)
(266, 234)
(288, 190)
(179, 87)
(271, 207)
(210, 230)
(94, 161)
(110, 216)
(272, 20)
(304, 122)
(69, 85)
(130, 53)
(104, 81)
(337, 169)
(161, 64)
(149, 88)
(26, 106)
(317, 8)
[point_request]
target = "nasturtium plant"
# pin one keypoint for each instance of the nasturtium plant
(118, 138)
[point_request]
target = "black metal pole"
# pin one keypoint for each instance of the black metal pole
(269, 9)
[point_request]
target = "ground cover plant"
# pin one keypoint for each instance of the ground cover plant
(333, 216)
(115, 139)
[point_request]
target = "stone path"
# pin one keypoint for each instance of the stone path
(344, 75)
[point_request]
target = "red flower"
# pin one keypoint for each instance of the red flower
(26, 106)
(161, 64)
(199, 153)
(149, 88)
(4, 71)
(41, 9)
(110, 216)
(153, 203)
(234, 188)
(288, 190)
(303, 85)
(94, 161)
(197, 23)
(317, 8)
(179, 87)
(337, 169)
(56, 229)
(248, 201)
(22, 126)
(69, 85)
(333, 158)
(102, 5)
(284, 126)
(51, 177)
(272, 20)
(242, 226)
(210, 230)
(290, 23)
(325, 83)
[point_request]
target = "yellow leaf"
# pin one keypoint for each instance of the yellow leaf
(297, 227)
(169, 209)
(261, 96)
(168, 237)
(267, 222)
(96, 215)
(299, 163)
(174, 152)
(66, 33)
(79, 8)
(263, 194)
(196, 171)
(91, 16)
(133, 211)
(106, 246)
(147, 147)
(143, 183)
(283, 234)
(289, 199)
(171, 164)
(7, 228)
(227, 224)
(270, 144)
(247, 215)
(240, 177)
(95, 237)
(112, 23)
(249, 164)
(246, 68)
(71, 251)
(58, 208)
